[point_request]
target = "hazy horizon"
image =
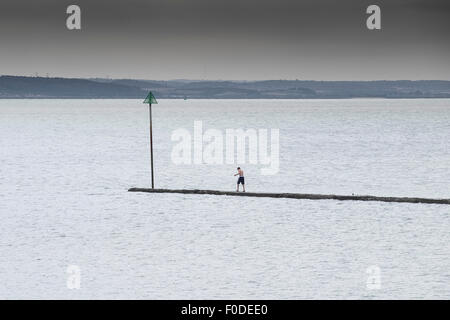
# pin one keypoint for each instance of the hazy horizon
(212, 80)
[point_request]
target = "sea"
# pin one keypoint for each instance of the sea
(70, 229)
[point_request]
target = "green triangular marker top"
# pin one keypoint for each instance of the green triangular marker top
(150, 99)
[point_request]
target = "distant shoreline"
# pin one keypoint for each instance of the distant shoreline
(108, 98)
(15, 87)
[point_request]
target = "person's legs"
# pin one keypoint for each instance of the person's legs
(243, 187)
(237, 188)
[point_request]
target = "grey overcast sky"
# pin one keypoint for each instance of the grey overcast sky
(227, 39)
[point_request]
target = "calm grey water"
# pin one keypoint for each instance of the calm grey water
(65, 166)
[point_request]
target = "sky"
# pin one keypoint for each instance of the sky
(227, 39)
